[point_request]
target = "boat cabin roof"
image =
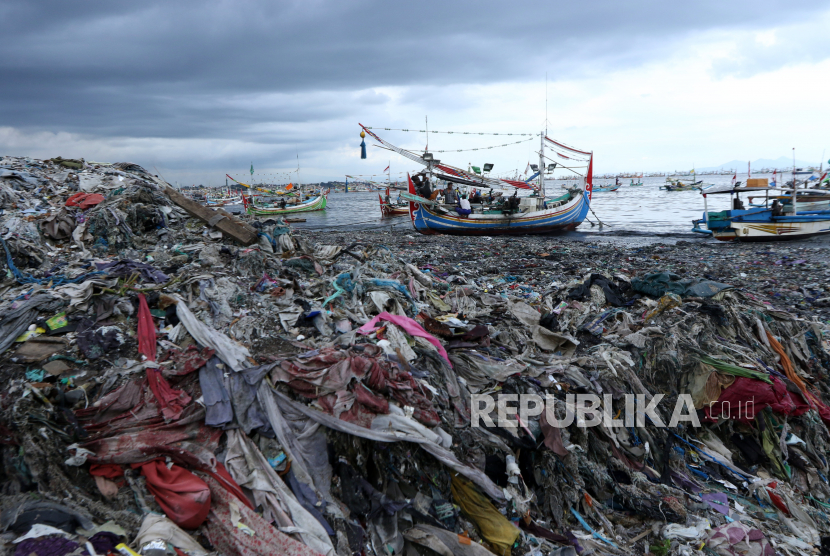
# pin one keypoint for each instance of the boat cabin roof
(742, 190)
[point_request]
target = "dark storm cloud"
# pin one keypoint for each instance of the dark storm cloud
(216, 69)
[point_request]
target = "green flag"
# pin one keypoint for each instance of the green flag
(252, 168)
(476, 169)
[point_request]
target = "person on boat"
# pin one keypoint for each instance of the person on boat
(282, 203)
(400, 199)
(450, 195)
(476, 198)
(737, 204)
(777, 208)
(424, 188)
(463, 207)
(513, 201)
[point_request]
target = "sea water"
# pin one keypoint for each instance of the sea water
(630, 211)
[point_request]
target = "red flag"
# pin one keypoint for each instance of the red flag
(734, 178)
(385, 169)
(589, 179)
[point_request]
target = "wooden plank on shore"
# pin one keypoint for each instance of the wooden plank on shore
(223, 220)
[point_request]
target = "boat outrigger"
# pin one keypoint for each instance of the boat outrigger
(775, 222)
(532, 214)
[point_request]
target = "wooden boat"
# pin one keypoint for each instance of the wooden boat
(761, 223)
(677, 185)
(223, 201)
(534, 214)
(317, 203)
(604, 189)
(638, 184)
(392, 209)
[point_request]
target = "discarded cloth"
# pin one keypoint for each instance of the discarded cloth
(226, 349)
(157, 526)
(410, 327)
(83, 200)
(658, 284)
(494, 527)
(611, 290)
(146, 330)
(250, 469)
(236, 530)
(17, 316)
(218, 409)
(183, 496)
(442, 454)
(737, 538)
(125, 268)
(20, 518)
(443, 542)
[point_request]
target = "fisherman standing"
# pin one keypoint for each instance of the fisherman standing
(450, 195)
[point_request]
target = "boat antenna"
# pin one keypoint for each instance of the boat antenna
(299, 182)
(546, 104)
(426, 122)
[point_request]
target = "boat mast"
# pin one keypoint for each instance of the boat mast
(542, 143)
(795, 188)
(542, 166)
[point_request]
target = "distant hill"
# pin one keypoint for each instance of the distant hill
(740, 165)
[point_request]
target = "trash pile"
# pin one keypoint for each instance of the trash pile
(179, 381)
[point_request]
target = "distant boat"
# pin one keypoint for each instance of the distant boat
(677, 185)
(609, 188)
(388, 208)
(638, 184)
(317, 203)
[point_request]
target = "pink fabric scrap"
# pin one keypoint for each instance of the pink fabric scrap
(409, 326)
(146, 330)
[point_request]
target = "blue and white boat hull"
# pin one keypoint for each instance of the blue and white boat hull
(428, 220)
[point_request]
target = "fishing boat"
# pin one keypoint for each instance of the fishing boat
(606, 189)
(774, 222)
(677, 185)
(388, 208)
(316, 203)
(223, 201)
(638, 184)
(532, 214)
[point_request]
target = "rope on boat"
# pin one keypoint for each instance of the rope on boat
(453, 132)
(601, 223)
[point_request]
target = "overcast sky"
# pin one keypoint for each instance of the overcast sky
(200, 89)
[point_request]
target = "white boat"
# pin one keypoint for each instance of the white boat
(761, 223)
